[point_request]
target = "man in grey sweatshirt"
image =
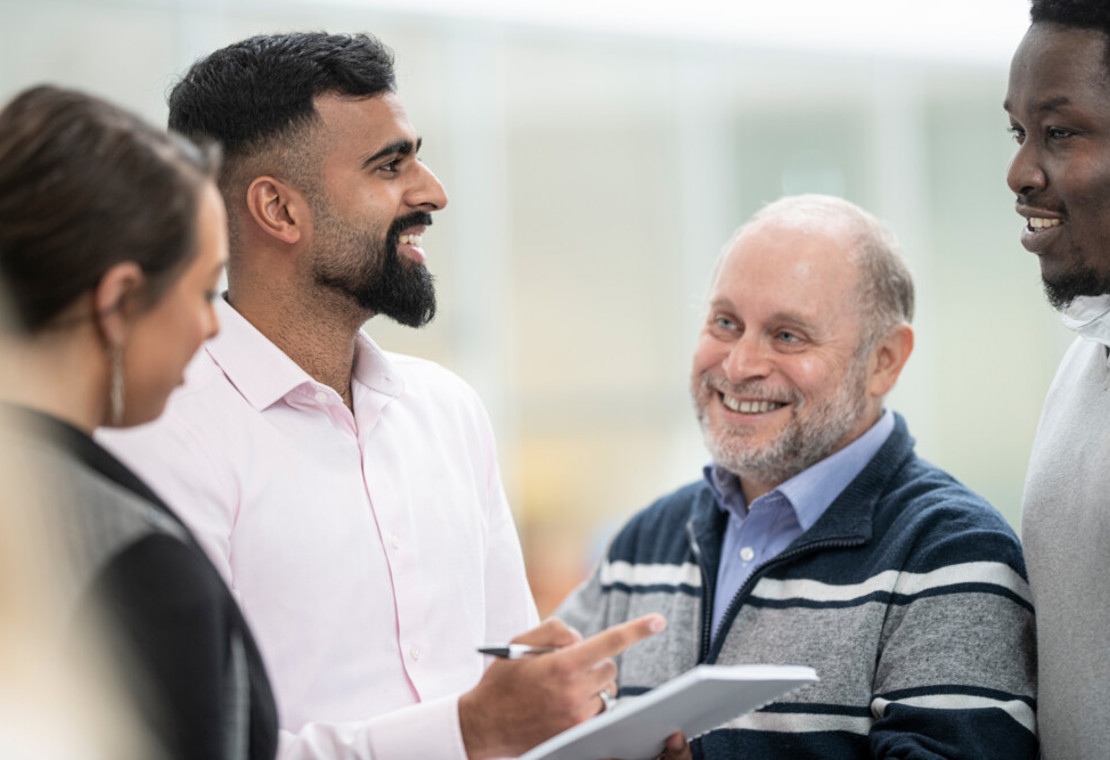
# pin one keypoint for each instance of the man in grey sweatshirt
(1059, 107)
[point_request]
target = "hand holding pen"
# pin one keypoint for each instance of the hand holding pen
(521, 702)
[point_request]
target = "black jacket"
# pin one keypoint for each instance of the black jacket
(189, 660)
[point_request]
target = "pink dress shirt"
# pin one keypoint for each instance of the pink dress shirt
(371, 553)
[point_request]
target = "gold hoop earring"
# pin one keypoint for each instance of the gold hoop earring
(115, 384)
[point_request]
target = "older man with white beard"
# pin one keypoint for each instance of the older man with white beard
(817, 537)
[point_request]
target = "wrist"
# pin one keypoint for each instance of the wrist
(475, 732)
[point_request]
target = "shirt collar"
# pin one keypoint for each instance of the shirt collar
(264, 374)
(1089, 316)
(811, 491)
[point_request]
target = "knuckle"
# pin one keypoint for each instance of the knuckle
(561, 670)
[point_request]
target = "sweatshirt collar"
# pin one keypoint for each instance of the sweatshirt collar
(1089, 317)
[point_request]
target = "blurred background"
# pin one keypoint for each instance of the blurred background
(598, 153)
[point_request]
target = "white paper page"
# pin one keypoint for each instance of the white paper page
(697, 701)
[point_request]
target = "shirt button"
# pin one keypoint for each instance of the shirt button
(747, 554)
(396, 542)
(321, 397)
(415, 652)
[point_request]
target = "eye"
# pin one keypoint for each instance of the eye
(393, 166)
(1058, 133)
(724, 323)
(1017, 133)
(785, 336)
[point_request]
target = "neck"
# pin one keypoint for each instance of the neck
(314, 331)
(753, 490)
(64, 375)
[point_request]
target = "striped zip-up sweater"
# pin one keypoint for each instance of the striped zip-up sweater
(908, 596)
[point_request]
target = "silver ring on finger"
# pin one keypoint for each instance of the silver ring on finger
(608, 700)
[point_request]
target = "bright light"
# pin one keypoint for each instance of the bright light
(979, 30)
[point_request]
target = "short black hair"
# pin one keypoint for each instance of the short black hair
(249, 92)
(1085, 14)
(1093, 15)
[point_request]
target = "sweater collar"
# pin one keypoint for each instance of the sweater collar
(1089, 317)
(849, 518)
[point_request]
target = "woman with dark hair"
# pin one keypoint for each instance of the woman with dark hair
(112, 241)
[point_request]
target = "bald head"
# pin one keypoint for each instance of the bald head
(884, 287)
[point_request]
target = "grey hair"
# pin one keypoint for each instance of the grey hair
(885, 289)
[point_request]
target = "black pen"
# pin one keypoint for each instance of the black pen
(513, 651)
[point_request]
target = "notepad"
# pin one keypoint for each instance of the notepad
(695, 702)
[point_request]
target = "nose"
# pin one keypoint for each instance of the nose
(747, 359)
(427, 191)
(213, 323)
(1025, 174)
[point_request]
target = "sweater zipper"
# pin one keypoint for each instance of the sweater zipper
(707, 617)
(734, 606)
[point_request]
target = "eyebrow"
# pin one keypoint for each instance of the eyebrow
(793, 318)
(1046, 106)
(396, 148)
(787, 317)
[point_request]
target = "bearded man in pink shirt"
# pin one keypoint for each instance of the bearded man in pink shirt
(350, 496)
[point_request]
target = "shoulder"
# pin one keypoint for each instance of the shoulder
(943, 520)
(207, 394)
(922, 488)
(99, 518)
(160, 572)
(430, 388)
(162, 575)
(205, 414)
(1080, 353)
(425, 375)
(1080, 378)
(658, 532)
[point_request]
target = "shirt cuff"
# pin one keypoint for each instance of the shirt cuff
(426, 731)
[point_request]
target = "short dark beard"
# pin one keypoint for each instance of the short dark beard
(1081, 281)
(404, 291)
(383, 283)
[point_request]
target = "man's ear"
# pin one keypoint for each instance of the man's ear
(887, 360)
(279, 210)
(115, 300)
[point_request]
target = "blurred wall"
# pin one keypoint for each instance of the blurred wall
(593, 178)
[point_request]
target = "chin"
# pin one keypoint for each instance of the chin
(140, 414)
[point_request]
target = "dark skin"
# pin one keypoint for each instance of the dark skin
(1059, 106)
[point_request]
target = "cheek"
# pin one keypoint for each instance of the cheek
(813, 376)
(1086, 186)
(172, 340)
(197, 328)
(709, 354)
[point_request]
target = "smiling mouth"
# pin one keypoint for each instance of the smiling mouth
(1038, 223)
(749, 407)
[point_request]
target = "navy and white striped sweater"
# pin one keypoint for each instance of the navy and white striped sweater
(908, 596)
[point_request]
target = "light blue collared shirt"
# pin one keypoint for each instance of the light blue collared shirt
(759, 533)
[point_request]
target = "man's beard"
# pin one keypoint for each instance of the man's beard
(372, 272)
(1079, 281)
(804, 441)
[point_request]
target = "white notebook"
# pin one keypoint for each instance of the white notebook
(697, 701)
